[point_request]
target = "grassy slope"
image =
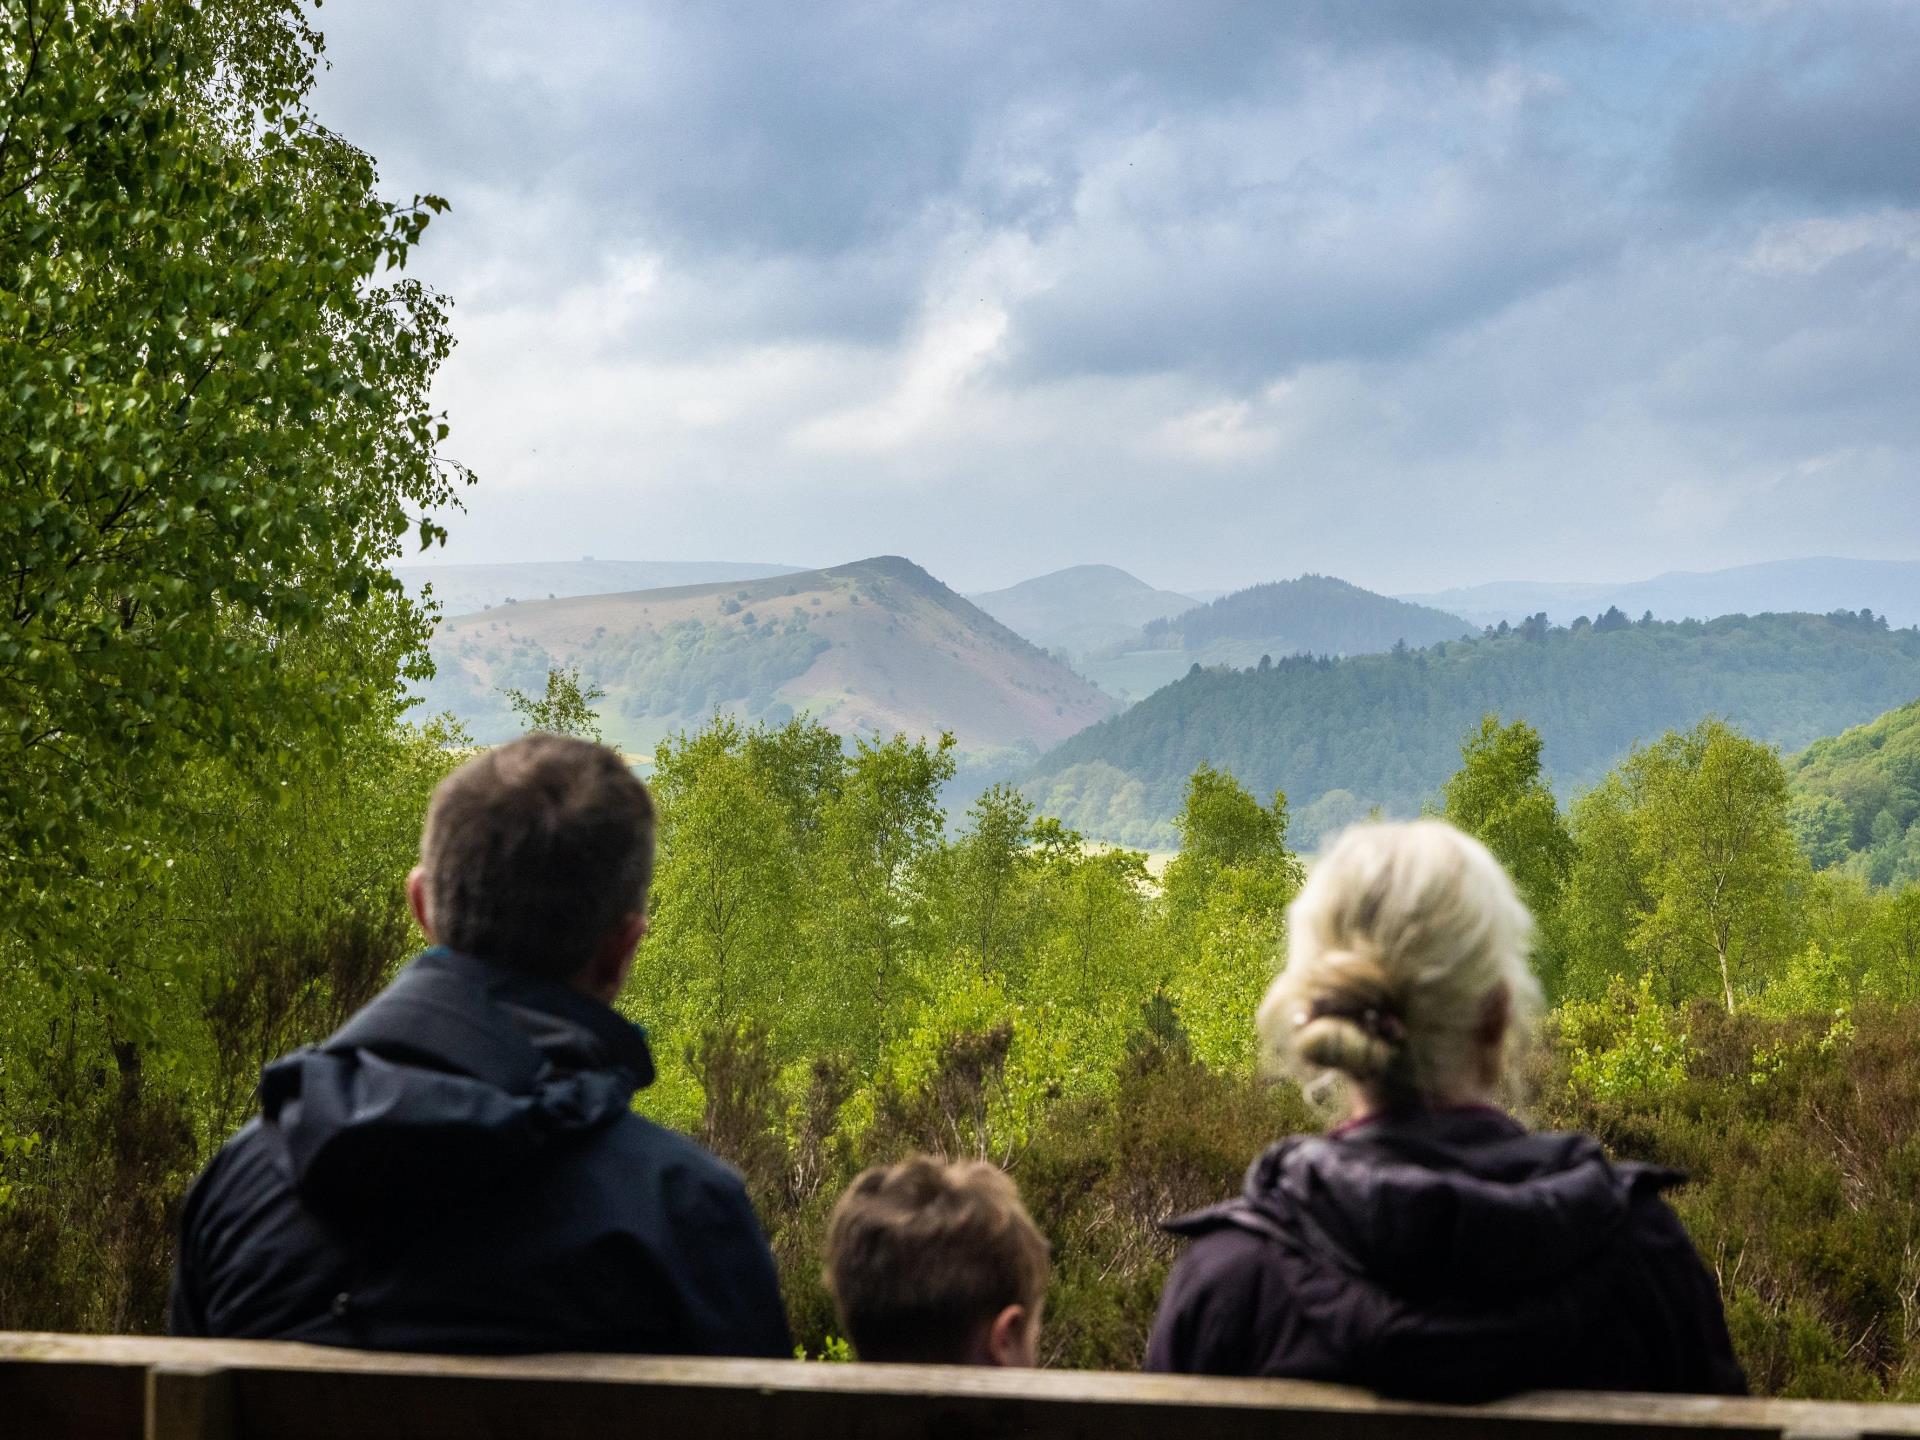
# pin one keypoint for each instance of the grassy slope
(899, 651)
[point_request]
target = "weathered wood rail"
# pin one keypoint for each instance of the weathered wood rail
(73, 1387)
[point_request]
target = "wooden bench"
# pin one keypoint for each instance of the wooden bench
(76, 1387)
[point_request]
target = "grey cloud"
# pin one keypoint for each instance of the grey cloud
(780, 129)
(1822, 104)
(1249, 285)
(1509, 257)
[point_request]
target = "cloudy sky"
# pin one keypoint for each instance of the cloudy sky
(1416, 292)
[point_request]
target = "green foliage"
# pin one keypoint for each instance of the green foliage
(1499, 795)
(1802, 1138)
(1624, 1046)
(690, 666)
(1226, 898)
(217, 425)
(1105, 801)
(1856, 799)
(217, 435)
(271, 913)
(989, 865)
(1687, 870)
(567, 707)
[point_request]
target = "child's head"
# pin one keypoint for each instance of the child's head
(937, 1263)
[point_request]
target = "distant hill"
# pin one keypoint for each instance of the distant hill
(1082, 608)
(875, 646)
(1856, 798)
(1315, 614)
(1817, 586)
(1340, 736)
(464, 588)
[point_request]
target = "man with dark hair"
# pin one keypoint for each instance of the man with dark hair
(458, 1168)
(937, 1264)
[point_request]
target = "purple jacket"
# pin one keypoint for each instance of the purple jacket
(1446, 1255)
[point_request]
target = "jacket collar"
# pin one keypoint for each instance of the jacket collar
(458, 1012)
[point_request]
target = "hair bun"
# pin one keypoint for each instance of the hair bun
(1333, 1042)
(1355, 1026)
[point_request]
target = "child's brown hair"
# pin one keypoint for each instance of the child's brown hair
(923, 1255)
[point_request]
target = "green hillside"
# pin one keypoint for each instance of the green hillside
(1082, 608)
(873, 647)
(1313, 615)
(1856, 798)
(1340, 736)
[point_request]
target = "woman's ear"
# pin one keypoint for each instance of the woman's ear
(1496, 1011)
(1490, 1032)
(1013, 1338)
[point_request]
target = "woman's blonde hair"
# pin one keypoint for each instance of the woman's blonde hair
(1396, 945)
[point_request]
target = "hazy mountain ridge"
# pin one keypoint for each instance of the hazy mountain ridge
(1081, 608)
(462, 589)
(874, 646)
(1340, 736)
(1815, 585)
(1313, 614)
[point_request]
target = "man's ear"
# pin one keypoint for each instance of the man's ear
(606, 974)
(417, 902)
(1013, 1339)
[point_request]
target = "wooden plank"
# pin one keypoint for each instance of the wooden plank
(95, 1387)
(72, 1399)
(310, 1405)
(189, 1402)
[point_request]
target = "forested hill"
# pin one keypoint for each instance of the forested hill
(1342, 735)
(1314, 614)
(1856, 799)
(1081, 608)
(875, 646)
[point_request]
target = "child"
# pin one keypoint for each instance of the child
(937, 1264)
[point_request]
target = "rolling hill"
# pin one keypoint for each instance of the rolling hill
(1082, 608)
(1856, 798)
(1313, 615)
(461, 589)
(875, 646)
(1340, 736)
(1886, 587)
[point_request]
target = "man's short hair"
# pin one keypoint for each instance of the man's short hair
(922, 1255)
(534, 850)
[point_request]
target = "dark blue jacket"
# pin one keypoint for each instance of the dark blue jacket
(1447, 1255)
(458, 1169)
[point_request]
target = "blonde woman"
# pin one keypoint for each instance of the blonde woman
(1431, 1245)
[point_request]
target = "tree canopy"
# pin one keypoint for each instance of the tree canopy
(217, 430)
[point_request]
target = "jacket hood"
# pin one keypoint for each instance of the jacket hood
(1463, 1203)
(455, 1076)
